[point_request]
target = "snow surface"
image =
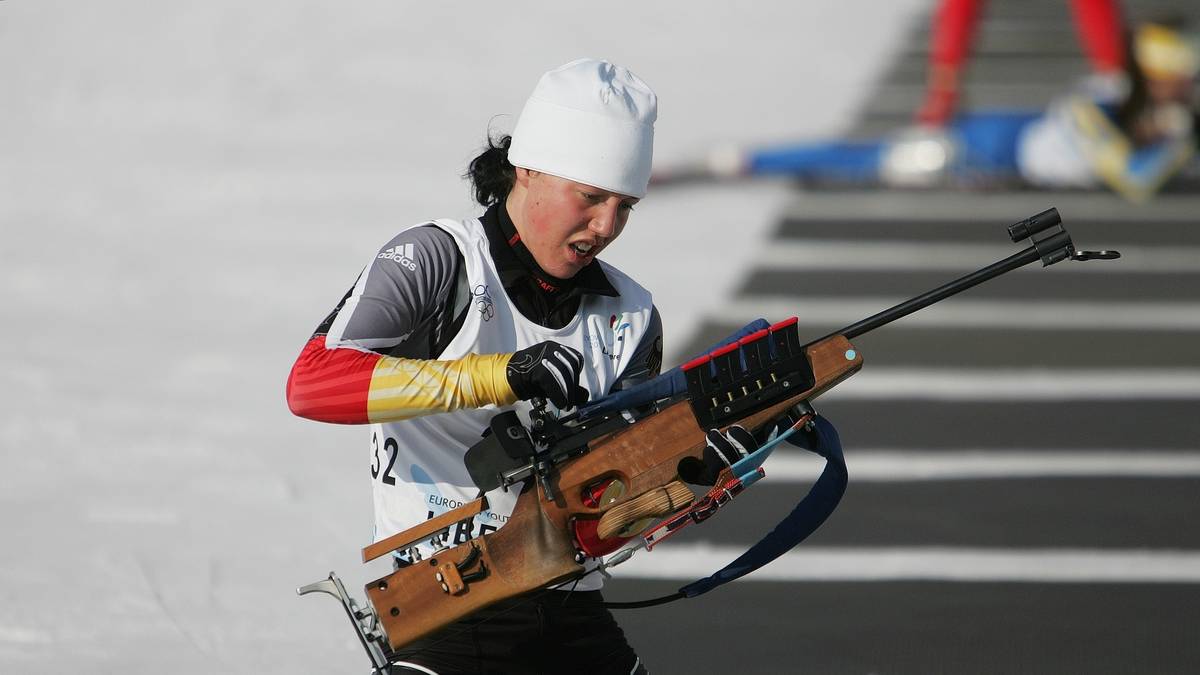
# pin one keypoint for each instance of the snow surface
(186, 189)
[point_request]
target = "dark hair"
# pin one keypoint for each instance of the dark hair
(491, 174)
(1137, 98)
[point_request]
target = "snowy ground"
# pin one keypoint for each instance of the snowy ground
(187, 188)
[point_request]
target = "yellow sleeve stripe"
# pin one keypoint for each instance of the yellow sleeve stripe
(403, 388)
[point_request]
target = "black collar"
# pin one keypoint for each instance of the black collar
(516, 265)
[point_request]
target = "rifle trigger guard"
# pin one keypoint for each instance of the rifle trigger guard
(477, 575)
(468, 561)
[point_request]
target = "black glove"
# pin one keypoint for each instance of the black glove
(550, 370)
(723, 450)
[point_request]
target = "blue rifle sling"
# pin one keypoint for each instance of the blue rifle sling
(804, 519)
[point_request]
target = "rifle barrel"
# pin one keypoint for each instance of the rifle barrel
(940, 293)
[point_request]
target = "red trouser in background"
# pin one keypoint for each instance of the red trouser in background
(1098, 22)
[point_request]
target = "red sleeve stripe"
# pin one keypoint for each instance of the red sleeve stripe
(331, 385)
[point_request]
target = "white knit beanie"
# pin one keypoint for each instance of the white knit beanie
(592, 122)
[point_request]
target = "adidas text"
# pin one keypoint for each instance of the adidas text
(403, 255)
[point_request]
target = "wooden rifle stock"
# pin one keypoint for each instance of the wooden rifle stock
(539, 545)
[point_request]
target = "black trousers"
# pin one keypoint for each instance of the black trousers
(545, 633)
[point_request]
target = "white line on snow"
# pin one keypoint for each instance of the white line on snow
(685, 562)
(942, 255)
(1016, 385)
(901, 465)
(960, 313)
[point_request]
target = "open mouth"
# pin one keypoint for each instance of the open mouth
(582, 249)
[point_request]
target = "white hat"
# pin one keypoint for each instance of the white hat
(592, 122)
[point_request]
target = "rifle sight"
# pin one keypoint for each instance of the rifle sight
(1034, 224)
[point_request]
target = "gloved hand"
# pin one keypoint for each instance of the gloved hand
(723, 450)
(550, 370)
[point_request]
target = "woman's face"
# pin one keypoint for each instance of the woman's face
(565, 224)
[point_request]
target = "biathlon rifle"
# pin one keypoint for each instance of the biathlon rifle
(606, 479)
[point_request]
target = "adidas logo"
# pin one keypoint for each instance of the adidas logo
(403, 255)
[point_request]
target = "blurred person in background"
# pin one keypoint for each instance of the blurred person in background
(1098, 22)
(1132, 143)
(453, 321)
(1130, 133)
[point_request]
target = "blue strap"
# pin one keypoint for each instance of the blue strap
(808, 515)
(668, 385)
(746, 468)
